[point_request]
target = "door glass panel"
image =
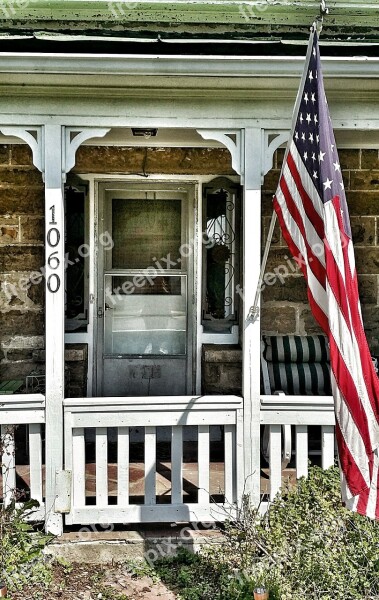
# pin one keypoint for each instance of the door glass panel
(154, 324)
(144, 232)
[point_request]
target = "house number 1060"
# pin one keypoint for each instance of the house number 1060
(53, 238)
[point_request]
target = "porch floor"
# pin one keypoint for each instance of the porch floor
(163, 481)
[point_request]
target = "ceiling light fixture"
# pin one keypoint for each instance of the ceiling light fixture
(144, 132)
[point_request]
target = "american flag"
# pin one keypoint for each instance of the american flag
(311, 206)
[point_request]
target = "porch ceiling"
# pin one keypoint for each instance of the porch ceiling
(175, 19)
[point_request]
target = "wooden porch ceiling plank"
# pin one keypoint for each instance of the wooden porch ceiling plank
(283, 12)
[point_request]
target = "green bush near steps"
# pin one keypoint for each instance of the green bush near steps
(307, 546)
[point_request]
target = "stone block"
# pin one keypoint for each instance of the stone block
(22, 342)
(16, 370)
(349, 158)
(220, 353)
(363, 230)
(21, 200)
(368, 288)
(369, 159)
(17, 293)
(26, 323)
(365, 180)
(221, 369)
(371, 325)
(211, 373)
(137, 160)
(4, 154)
(267, 206)
(277, 239)
(18, 176)
(367, 260)
(9, 230)
(291, 289)
(346, 177)
(363, 203)
(279, 157)
(19, 355)
(278, 318)
(308, 324)
(32, 229)
(24, 258)
(271, 181)
(280, 264)
(36, 293)
(21, 154)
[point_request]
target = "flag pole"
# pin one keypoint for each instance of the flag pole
(254, 309)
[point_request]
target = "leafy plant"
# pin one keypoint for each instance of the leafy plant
(21, 544)
(307, 546)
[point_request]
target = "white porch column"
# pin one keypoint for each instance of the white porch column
(251, 331)
(54, 311)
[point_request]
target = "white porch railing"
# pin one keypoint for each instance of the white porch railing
(96, 416)
(20, 409)
(298, 411)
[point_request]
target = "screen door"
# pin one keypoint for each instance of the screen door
(145, 264)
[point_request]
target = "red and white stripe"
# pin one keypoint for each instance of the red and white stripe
(316, 236)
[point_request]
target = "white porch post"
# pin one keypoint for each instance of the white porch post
(251, 331)
(54, 332)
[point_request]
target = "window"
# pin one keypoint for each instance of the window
(221, 254)
(76, 257)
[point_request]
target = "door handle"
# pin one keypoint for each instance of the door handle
(107, 307)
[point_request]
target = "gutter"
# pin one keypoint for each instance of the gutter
(178, 65)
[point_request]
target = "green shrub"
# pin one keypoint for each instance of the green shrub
(307, 546)
(21, 545)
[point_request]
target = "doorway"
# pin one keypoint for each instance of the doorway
(145, 265)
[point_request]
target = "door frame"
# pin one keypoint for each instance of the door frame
(101, 186)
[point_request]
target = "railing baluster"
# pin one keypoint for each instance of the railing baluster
(230, 463)
(301, 451)
(101, 467)
(35, 461)
(123, 466)
(203, 462)
(275, 459)
(78, 466)
(8, 463)
(150, 465)
(327, 445)
(177, 465)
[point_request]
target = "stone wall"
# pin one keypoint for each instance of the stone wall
(285, 308)
(21, 254)
(221, 369)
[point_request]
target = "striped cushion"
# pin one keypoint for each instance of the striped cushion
(296, 348)
(298, 365)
